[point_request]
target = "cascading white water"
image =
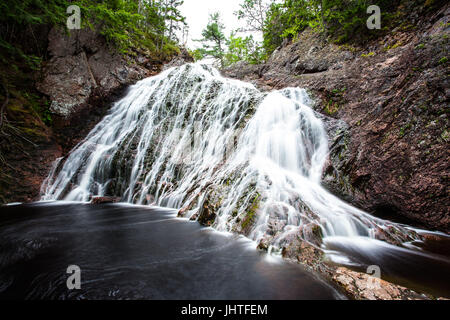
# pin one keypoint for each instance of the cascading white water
(189, 138)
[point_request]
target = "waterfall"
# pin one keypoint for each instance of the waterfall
(221, 151)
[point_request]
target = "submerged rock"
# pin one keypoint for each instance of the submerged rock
(104, 200)
(207, 213)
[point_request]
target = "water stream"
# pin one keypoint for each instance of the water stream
(133, 252)
(219, 148)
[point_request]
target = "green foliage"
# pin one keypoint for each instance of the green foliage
(38, 107)
(128, 24)
(214, 40)
(300, 15)
(393, 46)
(26, 12)
(197, 54)
(117, 20)
(170, 49)
(242, 49)
(287, 20)
(17, 19)
(274, 28)
(254, 14)
(131, 24)
(332, 107)
(226, 50)
(342, 20)
(173, 18)
(420, 46)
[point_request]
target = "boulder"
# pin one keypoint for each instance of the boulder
(104, 200)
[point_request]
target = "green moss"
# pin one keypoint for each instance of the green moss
(317, 231)
(348, 47)
(251, 214)
(331, 107)
(370, 54)
(404, 129)
(424, 107)
(385, 138)
(339, 92)
(40, 107)
(420, 46)
(445, 136)
(443, 60)
(394, 46)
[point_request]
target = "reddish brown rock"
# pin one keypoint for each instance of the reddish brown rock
(104, 200)
(362, 286)
(83, 64)
(356, 285)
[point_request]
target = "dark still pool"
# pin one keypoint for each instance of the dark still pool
(131, 252)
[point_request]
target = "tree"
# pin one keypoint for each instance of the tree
(174, 21)
(254, 13)
(242, 49)
(341, 20)
(214, 40)
(288, 19)
(130, 25)
(197, 54)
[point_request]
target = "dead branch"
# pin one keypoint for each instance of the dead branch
(3, 107)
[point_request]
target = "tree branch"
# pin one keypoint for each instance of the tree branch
(3, 107)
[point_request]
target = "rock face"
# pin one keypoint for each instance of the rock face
(82, 63)
(183, 58)
(390, 141)
(334, 177)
